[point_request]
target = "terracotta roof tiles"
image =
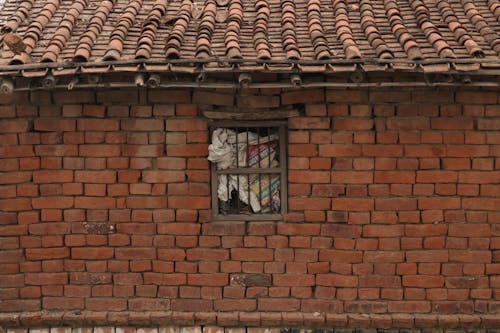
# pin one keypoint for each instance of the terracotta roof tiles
(312, 35)
(260, 29)
(63, 32)
(372, 31)
(94, 28)
(121, 30)
(176, 36)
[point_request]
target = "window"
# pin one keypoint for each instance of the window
(248, 170)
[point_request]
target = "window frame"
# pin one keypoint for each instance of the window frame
(281, 126)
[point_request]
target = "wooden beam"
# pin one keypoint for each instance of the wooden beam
(270, 114)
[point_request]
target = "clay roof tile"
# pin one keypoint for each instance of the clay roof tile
(279, 30)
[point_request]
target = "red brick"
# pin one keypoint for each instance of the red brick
(143, 150)
(106, 304)
(382, 150)
(427, 256)
(163, 176)
(302, 150)
(16, 151)
(435, 176)
(409, 307)
(439, 203)
(294, 229)
(191, 202)
(187, 150)
(467, 151)
(92, 253)
(407, 123)
(235, 305)
(309, 123)
(425, 150)
(169, 96)
(470, 256)
(384, 281)
(352, 204)
(213, 98)
(149, 304)
(354, 96)
(349, 177)
(15, 177)
(20, 305)
(353, 124)
(53, 176)
(186, 125)
(99, 150)
(143, 125)
(469, 230)
(425, 230)
(207, 254)
(146, 202)
(94, 202)
(337, 150)
(11, 205)
(95, 177)
(46, 278)
(302, 96)
(476, 177)
(309, 203)
(192, 305)
(47, 253)
(171, 163)
(396, 204)
(383, 230)
(384, 256)
(452, 123)
(390, 96)
(14, 126)
(336, 280)
(252, 254)
(340, 256)
(135, 253)
(293, 280)
(488, 124)
(97, 125)
(216, 279)
(423, 281)
(54, 125)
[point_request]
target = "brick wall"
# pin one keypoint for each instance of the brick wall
(394, 209)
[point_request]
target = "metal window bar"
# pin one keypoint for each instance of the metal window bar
(274, 210)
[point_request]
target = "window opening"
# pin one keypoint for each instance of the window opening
(248, 170)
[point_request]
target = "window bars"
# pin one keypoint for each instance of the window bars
(248, 170)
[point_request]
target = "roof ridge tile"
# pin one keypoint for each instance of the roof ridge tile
(372, 32)
(316, 31)
(342, 23)
(149, 29)
(233, 29)
(460, 31)
(430, 30)
(205, 29)
(19, 16)
(260, 29)
(93, 30)
(407, 41)
(121, 30)
(481, 25)
(494, 7)
(176, 36)
(63, 32)
(35, 30)
(288, 28)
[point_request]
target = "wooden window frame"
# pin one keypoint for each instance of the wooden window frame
(281, 170)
